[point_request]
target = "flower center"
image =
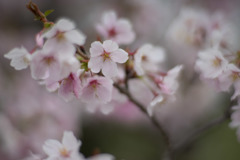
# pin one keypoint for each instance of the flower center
(60, 36)
(106, 55)
(217, 62)
(64, 152)
(112, 32)
(235, 76)
(48, 60)
(94, 84)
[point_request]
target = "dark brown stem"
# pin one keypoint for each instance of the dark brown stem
(164, 134)
(82, 54)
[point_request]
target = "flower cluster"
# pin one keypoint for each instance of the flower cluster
(60, 62)
(67, 149)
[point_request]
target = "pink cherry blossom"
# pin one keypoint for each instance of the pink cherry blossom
(168, 85)
(118, 30)
(148, 58)
(70, 87)
(97, 90)
(211, 63)
(105, 56)
(20, 58)
(52, 66)
(66, 150)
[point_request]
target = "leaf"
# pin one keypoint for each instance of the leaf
(47, 12)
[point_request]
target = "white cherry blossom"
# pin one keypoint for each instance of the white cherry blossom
(105, 56)
(20, 58)
(211, 63)
(68, 149)
(118, 30)
(148, 58)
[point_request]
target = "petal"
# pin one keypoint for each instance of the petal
(95, 64)
(75, 37)
(96, 49)
(19, 63)
(65, 25)
(70, 141)
(104, 94)
(66, 90)
(109, 19)
(88, 94)
(109, 68)
(52, 86)
(110, 46)
(16, 52)
(39, 69)
(51, 147)
(119, 56)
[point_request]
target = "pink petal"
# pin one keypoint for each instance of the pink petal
(95, 64)
(119, 56)
(109, 68)
(104, 94)
(110, 46)
(96, 49)
(109, 19)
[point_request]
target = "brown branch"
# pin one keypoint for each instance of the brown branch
(36, 11)
(82, 54)
(164, 134)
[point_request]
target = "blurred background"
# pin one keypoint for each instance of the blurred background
(29, 114)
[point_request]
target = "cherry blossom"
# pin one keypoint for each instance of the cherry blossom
(52, 66)
(167, 85)
(63, 35)
(20, 58)
(105, 56)
(97, 90)
(70, 87)
(65, 150)
(211, 63)
(118, 30)
(148, 58)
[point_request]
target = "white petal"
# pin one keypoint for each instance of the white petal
(16, 52)
(95, 64)
(39, 69)
(109, 68)
(65, 25)
(51, 147)
(119, 56)
(104, 94)
(109, 19)
(110, 46)
(70, 141)
(75, 37)
(96, 49)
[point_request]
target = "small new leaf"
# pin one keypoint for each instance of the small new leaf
(47, 12)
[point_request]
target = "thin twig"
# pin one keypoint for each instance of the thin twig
(36, 11)
(153, 120)
(79, 52)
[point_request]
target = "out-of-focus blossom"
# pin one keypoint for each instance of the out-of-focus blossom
(211, 63)
(20, 58)
(190, 28)
(105, 56)
(168, 85)
(97, 90)
(68, 149)
(118, 30)
(148, 58)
